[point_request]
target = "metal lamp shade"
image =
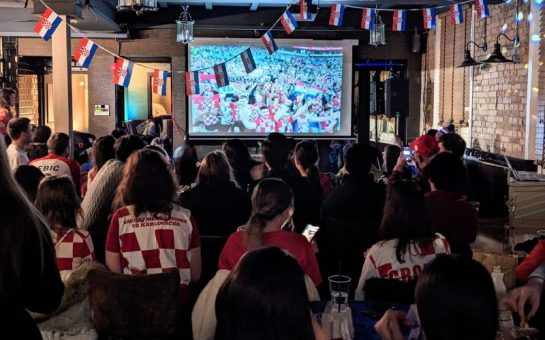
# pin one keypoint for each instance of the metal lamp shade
(468, 60)
(497, 56)
(377, 36)
(184, 31)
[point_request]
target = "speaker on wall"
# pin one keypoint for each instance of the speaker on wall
(396, 97)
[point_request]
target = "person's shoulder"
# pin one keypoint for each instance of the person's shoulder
(180, 211)
(441, 244)
(123, 212)
(80, 235)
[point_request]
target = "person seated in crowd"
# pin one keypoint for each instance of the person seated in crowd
(118, 133)
(218, 206)
(305, 159)
(265, 296)
(275, 153)
(408, 241)
(272, 209)
(57, 161)
(186, 166)
(424, 149)
(58, 201)
(431, 132)
(8, 99)
(451, 214)
(239, 158)
(455, 299)
(38, 147)
(97, 204)
(391, 154)
(29, 177)
(452, 142)
(102, 151)
(20, 134)
(29, 278)
(149, 234)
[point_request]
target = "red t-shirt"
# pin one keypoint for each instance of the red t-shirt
(154, 243)
(53, 164)
(296, 244)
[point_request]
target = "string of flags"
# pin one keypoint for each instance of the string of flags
(123, 68)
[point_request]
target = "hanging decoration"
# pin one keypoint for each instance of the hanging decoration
(184, 26)
(481, 6)
(268, 40)
(377, 35)
(400, 20)
(248, 61)
(304, 10)
(288, 22)
(122, 72)
(368, 16)
(85, 53)
(192, 83)
(456, 14)
(220, 71)
(336, 15)
(160, 82)
(47, 24)
(429, 18)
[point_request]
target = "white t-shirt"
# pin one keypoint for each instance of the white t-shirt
(381, 261)
(16, 156)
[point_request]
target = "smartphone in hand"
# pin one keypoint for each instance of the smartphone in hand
(310, 232)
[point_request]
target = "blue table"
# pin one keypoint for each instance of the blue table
(363, 315)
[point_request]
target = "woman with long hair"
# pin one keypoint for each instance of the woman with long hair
(58, 201)
(407, 239)
(149, 234)
(29, 278)
(102, 151)
(185, 165)
(306, 159)
(265, 297)
(239, 158)
(218, 206)
(272, 208)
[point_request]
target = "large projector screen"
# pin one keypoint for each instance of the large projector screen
(304, 89)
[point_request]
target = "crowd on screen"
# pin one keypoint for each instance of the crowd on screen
(292, 91)
(222, 235)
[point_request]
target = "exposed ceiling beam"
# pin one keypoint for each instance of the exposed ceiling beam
(254, 6)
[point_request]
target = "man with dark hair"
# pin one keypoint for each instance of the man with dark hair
(118, 133)
(97, 203)
(38, 147)
(452, 215)
(20, 134)
(452, 142)
(57, 162)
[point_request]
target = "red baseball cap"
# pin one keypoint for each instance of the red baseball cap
(425, 145)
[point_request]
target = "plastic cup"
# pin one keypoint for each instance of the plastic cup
(339, 286)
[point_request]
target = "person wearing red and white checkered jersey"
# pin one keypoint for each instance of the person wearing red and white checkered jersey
(149, 234)
(59, 203)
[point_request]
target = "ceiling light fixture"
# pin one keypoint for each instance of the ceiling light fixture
(138, 6)
(184, 26)
(377, 35)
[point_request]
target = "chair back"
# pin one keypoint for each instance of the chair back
(134, 306)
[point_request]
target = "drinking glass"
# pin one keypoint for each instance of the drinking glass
(339, 286)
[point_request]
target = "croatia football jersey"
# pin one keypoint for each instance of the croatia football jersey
(154, 243)
(72, 247)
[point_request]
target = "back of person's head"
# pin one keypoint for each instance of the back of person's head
(425, 145)
(215, 168)
(18, 126)
(41, 134)
(58, 143)
(58, 201)
(456, 300)
(448, 173)
(306, 156)
(432, 132)
(185, 165)
(126, 145)
(264, 297)
(357, 160)
(275, 150)
(103, 150)
(29, 177)
(454, 143)
(6, 95)
(118, 133)
(237, 154)
(391, 155)
(405, 217)
(271, 197)
(147, 183)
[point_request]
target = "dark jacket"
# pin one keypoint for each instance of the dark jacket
(39, 289)
(454, 218)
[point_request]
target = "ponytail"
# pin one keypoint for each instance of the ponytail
(254, 231)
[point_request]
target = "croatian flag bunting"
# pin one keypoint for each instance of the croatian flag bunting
(85, 52)
(368, 18)
(122, 72)
(456, 14)
(482, 8)
(192, 83)
(248, 60)
(304, 11)
(47, 24)
(429, 18)
(336, 15)
(160, 82)
(288, 22)
(399, 20)
(220, 71)
(268, 40)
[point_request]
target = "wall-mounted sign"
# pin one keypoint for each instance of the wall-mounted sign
(102, 110)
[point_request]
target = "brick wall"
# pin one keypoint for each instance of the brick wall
(27, 87)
